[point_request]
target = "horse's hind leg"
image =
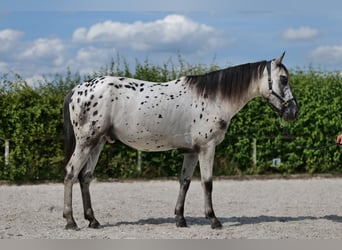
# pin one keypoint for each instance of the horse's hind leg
(85, 178)
(73, 168)
(189, 164)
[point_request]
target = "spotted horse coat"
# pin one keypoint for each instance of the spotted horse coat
(166, 116)
(190, 113)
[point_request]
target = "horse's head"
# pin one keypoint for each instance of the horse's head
(277, 90)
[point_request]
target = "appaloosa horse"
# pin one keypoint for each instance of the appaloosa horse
(190, 113)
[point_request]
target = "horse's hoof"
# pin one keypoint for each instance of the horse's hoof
(94, 224)
(72, 226)
(216, 225)
(181, 222)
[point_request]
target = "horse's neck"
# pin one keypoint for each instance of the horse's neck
(234, 106)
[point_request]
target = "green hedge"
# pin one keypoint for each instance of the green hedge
(31, 119)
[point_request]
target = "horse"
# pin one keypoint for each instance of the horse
(191, 113)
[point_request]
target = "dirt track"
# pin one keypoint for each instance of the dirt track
(253, 209)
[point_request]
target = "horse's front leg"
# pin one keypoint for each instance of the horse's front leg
(206, 160)
(189, 164)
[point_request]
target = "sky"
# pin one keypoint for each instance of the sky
(44, 37)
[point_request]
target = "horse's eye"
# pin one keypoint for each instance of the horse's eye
(284, 80)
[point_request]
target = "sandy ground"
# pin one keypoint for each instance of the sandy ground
(250, 209)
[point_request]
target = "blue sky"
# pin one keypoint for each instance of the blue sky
(43, 37)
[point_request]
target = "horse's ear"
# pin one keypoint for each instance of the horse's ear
(280, 59)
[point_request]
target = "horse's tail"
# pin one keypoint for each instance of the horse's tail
(69, 135)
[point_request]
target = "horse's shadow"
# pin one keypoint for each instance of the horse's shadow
(234, 221)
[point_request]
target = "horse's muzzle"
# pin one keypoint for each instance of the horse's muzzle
(291, 111)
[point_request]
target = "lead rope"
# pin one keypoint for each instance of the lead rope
(322, 147)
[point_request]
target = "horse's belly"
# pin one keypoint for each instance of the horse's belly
(157, 142)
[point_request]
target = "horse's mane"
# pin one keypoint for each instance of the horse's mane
(230, 83)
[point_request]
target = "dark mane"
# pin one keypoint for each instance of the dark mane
(230, 83)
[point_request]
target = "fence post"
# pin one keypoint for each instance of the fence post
(254, 154)
(6, 152)
(138, 161)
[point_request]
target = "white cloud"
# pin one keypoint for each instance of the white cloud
(45, 49)
(89, 59)
(9, 38)
(90, 53)
(329, 55)
(170, 34)
(35, 80)
(300, 34)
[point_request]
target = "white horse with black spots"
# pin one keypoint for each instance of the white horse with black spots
(190, 113)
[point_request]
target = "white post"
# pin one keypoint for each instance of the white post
(6, 152)
(138, 161)
(254, 155)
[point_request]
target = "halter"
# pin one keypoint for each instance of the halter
(284, 102)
